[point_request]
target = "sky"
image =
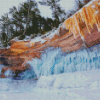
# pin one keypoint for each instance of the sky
(45, 11)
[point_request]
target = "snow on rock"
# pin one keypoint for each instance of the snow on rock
(38, 39)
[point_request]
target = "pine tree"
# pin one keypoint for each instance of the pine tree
(5, 28)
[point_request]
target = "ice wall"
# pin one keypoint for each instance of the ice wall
(54, 61)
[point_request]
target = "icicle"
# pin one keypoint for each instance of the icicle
(78, 20)
(98, 27)
(74, 31)
(84, 14)
(68, 24)
(73, 28)
(93, 6)
(97, 15)
(78, 25)
(97, 23)
(89, 14)
(63, 26)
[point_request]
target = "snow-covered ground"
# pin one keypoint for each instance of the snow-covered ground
(84, 85)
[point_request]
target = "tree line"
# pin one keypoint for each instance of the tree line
(27, 19)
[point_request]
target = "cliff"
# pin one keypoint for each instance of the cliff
(80, 30)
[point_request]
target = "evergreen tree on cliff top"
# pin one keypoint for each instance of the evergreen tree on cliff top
(16, 20)
(5, 33)
(23, 16)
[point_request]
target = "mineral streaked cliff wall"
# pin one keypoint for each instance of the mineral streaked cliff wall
(81, 29)
(88, 15)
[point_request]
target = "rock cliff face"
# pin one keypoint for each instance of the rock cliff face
(80, 30)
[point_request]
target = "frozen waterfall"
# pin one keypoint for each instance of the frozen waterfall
(54, 61)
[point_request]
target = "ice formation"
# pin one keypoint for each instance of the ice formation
(53, 61)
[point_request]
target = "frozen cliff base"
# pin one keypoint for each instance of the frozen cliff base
(53, 61)
(83, 85)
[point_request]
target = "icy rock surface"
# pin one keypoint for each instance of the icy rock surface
(53, 61)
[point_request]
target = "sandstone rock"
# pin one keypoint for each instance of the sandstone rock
(2, 76)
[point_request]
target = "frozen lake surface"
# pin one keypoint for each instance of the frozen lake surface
(84, 85)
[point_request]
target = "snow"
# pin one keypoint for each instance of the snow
(67, 86)
(93, 6)
(38, 39)
(96, 12)
(86, 79)
(16, 39)
(8, 73)
(49, 35)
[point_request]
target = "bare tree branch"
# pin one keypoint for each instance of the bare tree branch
(27, 18)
